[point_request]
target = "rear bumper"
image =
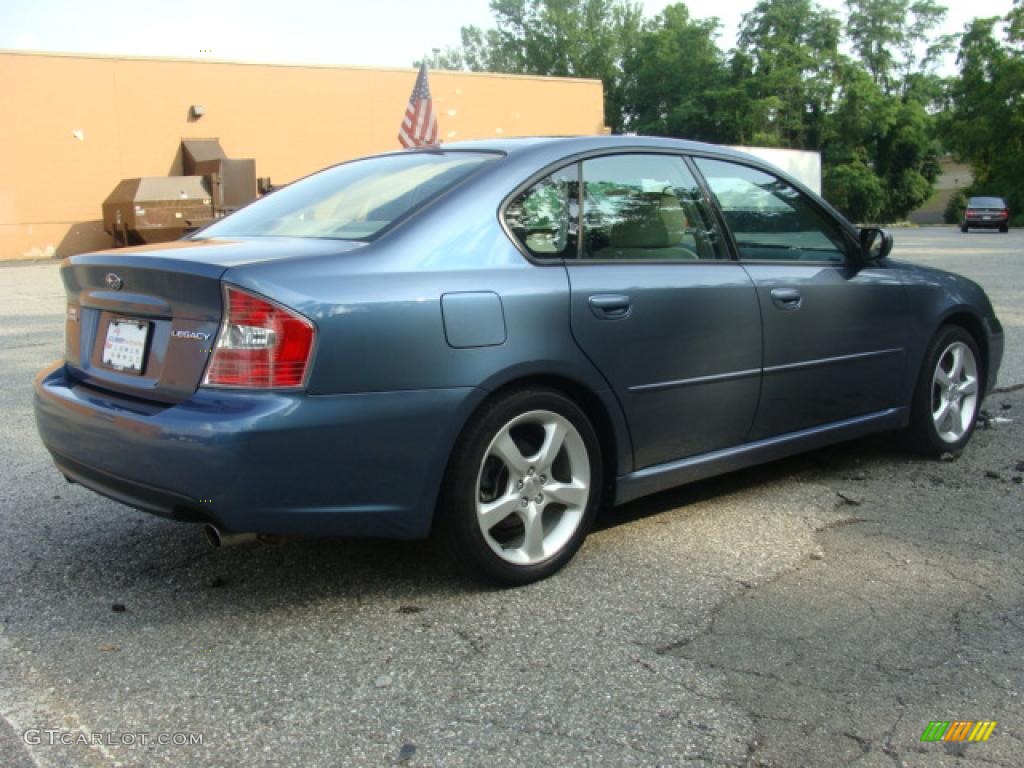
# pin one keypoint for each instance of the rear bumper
(354, 465)
(986, 223)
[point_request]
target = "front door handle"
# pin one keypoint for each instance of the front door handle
(786, 298)
(610, 306)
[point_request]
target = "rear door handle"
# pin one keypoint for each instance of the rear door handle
(786, 298)
(610, 306)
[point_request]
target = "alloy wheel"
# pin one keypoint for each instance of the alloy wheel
(954, 400)
(533, 487)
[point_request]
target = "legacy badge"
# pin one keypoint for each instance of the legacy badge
(194, 335)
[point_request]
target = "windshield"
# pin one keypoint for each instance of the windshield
(353, 201)
(986, 202)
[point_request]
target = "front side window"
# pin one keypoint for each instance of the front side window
(646, 208)
(353, 201)
(770, 219)
(544, 217)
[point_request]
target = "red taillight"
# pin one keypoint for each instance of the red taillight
(260, 344)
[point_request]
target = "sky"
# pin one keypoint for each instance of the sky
(382, 33)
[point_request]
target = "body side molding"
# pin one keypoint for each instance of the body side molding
(664, 476)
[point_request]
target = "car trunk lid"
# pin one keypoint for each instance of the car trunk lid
(976, 210)
(143, 321)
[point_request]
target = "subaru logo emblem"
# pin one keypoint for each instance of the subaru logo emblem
(114, 282)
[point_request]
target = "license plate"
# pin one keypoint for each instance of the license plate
(125, 346)
(986, 218)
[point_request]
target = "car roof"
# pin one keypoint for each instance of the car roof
(572, 144)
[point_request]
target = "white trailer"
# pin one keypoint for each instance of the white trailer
(802, 165)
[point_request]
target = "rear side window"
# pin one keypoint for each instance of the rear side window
(544, 217)
(640, 207)
(770, 219)
(353, 201)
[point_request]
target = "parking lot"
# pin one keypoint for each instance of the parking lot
(818, 611)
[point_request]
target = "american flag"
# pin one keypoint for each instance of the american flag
(419, 126)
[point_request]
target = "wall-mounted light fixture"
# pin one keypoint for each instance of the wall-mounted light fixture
(197, 111)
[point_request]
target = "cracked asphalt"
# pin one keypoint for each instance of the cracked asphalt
(818, 611)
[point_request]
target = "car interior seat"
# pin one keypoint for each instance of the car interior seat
(654, 229)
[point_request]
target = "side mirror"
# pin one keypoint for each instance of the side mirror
(875, 244)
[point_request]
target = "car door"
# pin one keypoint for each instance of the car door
(662, 310)
(834, 326)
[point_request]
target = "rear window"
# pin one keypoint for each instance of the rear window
(986, 202)
(353, 201)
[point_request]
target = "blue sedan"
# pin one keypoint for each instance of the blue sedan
(491, 340)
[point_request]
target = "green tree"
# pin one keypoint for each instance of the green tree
(881, 155)
(792, 50)
(985, 125)
(675, 79)
(887, 35)
(1015, 33)
(567, 38)
(954, 211)
(861, 117)
(854, 188)
(887, 136)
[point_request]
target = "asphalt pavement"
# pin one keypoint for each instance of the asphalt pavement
(818, 611)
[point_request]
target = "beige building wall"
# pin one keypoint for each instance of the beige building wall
(73, 126)
(954, 176)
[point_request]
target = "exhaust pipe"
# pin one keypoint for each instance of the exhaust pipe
(219, 538)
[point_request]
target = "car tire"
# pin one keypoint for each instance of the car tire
(522, 488)
(963, 228)
(1005, 228)
(948, 395)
